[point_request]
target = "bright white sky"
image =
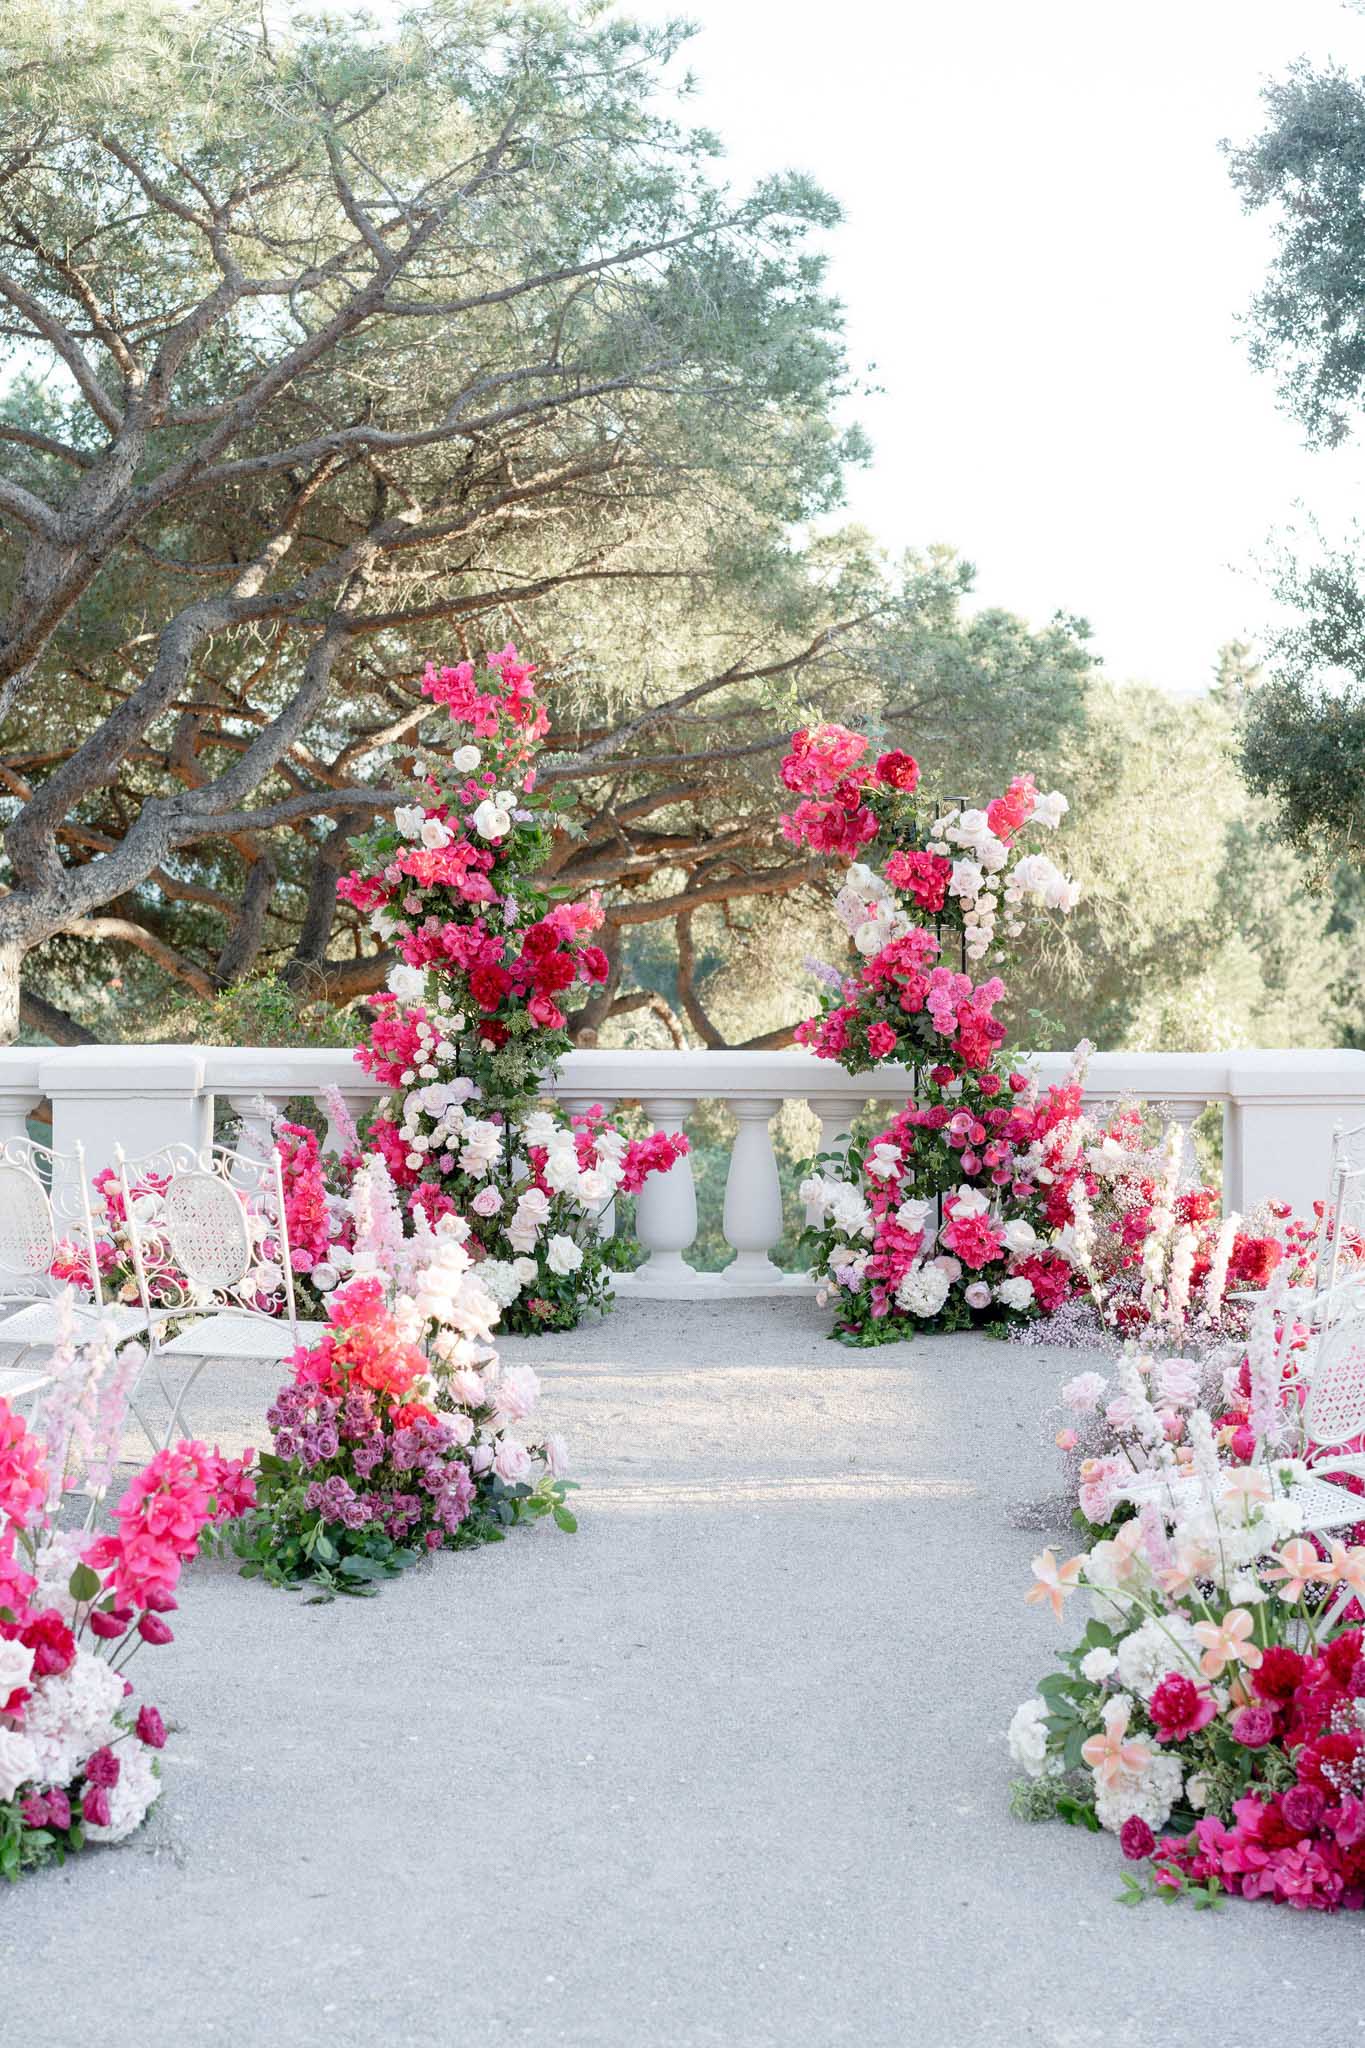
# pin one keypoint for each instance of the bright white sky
(1044, 260)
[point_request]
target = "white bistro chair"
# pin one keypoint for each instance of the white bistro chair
(44, 1205)
(211, 1252)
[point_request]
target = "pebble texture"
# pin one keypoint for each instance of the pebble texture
(724, 1770)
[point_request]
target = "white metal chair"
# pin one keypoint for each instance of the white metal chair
(210, 1245)
(44, 1210)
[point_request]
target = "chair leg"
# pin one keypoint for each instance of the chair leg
(177, 1406)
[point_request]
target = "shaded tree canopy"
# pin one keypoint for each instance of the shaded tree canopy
(1303, 742)
(324, 348)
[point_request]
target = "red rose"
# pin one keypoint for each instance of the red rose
(102, 1768)
(1278, 1673)
(153, 1629)
(553, 971)
(151, 1729)
(488, 986)
(95, 1807)
(52, 1643)
(899, 769)
(1136, 1839)
(596, 963)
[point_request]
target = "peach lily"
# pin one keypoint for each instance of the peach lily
(1053, 1581)
(1299, 1564)
(1108, 1755)
(1345, 1567)
(1227, 1642)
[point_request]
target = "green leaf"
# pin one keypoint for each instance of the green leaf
(565, 1520)
(84, 1584)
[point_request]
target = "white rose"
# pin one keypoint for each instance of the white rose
(409, 984)
(1015, 1292)
(563, 1256)
(490, 822)
(467, 759)
(1020, 1237)
(15, 1665)
(435, 833)
(409, 820)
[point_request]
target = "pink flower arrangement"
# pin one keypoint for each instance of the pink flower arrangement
(77, 1764)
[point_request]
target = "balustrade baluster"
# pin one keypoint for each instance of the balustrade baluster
(666, 1211)
(753, 1196)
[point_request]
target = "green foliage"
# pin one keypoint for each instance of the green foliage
(290, 1545)
(262, 1011)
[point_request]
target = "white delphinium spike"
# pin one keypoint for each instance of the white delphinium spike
(377, 1219)
(1199, 1430)
(1265, 1410)
(1216, 1280)
(341, 1124)
(1178, 1278)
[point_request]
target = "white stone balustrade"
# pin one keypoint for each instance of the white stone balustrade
(1279, 1111)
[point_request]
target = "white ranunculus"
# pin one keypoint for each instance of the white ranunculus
(490, 822)
(562, 1255)
(848, 1211)
(435, 834)
(409, 984)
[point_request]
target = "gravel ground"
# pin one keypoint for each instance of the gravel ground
(723, 1770)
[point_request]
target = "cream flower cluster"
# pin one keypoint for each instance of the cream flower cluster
(990, 875)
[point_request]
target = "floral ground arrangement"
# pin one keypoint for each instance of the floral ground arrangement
(1212, 1712)
(392, 1438)
(78, 1751)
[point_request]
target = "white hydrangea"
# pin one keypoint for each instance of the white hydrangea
(500, 1278)
(19, 1763)
(923, 1291)
(138, 1787)
(1154, 1649)
(71, 1714)
(1027, 1737)
(1150, 1794)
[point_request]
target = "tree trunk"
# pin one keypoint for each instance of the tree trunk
(11, 968)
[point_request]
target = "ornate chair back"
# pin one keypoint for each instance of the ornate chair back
(44, 1213)
(209, 1234)
(1334, 1412)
